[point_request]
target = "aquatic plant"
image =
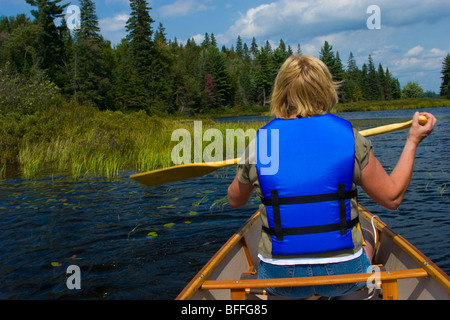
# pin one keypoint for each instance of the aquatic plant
(85, 141)
(413, 103)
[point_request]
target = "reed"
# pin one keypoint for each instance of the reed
(85, 141)
(2, 170)
(417, 103)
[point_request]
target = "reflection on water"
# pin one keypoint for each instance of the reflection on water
(133, 242)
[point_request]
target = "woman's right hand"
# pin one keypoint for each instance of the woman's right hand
(419, 132)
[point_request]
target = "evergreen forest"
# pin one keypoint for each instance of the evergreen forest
(71, 101)
(147, 71)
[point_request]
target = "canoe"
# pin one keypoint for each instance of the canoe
(402, 271)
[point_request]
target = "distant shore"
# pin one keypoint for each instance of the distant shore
(84, 140)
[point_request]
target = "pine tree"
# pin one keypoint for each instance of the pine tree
(206, 41)
(141, 46)
(333, 62)
(140, 33)
(279, 56)
(396, 89)
(129, 91)
(338, 69)
(239, 48)
(327, 55)
(268, 48)
(350, 81)
(352, 68)
(254, 48)
(213, 40)
(364, 82)
(216, 78)
(373, 89)
(67, 75)
(445, 84)
(89, 28)
(388, 86)
(289, 51)
(187, 82)
(91, 72)
(382, 82)
(161, 74)
(51, 45)
(263, 76)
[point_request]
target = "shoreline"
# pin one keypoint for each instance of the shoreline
(84, 141)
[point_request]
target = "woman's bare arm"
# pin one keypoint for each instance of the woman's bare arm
(389, 190)
(239, 193)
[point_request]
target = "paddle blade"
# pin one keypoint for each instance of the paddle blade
(180, 172)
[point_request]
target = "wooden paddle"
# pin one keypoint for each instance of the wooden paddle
(192, 170)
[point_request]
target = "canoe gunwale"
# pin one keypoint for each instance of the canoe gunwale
(196, 283)
(422, 260)
(425, 267)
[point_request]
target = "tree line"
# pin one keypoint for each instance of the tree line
(147, 71)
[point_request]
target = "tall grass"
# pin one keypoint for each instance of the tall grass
(85, 141)
(40, 130)
(2, 170)
(414, 103)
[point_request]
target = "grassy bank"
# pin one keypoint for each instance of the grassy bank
(83, 140)
(418, 103)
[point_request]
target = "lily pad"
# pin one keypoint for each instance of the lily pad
(56, 264)
(166, 207)
(169, 225)
(152, 235)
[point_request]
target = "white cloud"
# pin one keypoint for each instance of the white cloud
(115, 23)
(343, 23)
(299, 18)
(414, 51)
(303, 19)
(406, 63)
(182, 8)
(198, 38)
(435, 52)
(113, 28)
(419, 60)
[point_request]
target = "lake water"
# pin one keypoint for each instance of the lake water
(134, 242)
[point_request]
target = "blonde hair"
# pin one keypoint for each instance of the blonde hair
(304, 86)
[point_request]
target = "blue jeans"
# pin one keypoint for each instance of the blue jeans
(358, 265)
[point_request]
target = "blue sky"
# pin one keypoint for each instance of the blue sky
(413, 40)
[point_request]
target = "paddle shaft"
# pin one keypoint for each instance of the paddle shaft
(192, 170)
(391, 127)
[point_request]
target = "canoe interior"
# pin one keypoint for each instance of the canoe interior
(393, 252)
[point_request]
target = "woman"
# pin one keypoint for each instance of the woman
(309, 210)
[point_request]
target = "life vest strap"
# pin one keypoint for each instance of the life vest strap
(309, 199)
(311, 229)
(340, 196)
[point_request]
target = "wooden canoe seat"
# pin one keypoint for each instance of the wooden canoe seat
(388, 282)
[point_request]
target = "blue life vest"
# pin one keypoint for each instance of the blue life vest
(308, 199)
